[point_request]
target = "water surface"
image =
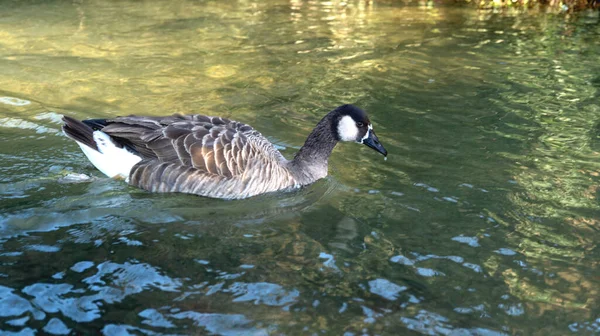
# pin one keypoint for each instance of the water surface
(484, 220)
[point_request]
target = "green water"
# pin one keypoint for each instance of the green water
(484, 220)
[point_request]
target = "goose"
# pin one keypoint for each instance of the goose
(212, 156)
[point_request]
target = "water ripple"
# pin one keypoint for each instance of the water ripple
(386, 289)
(14, 101)
(263, 293)
(222, 324)
(435, 324)
(56, 327)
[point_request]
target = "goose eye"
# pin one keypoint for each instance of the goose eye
(359, 124)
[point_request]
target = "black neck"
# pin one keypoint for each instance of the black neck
(312, 159)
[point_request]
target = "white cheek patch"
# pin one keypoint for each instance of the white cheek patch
(347, 129)
(367, 134)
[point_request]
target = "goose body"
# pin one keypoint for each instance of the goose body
(212, 156)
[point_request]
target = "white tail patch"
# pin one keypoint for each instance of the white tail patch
(111, 160)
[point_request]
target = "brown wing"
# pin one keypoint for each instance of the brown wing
(210, 144)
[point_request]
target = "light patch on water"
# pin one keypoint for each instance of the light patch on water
(429, 188)
(227, 276)
(400, 259)
(386, 289)
(456, 259)
(22, 332)
(185, 295)
(222, 324)
(330, 262)
(18, 322)
(125, 279)
(410, 208)
(526, 267)
(58, 275)
(221, 71)
(419, 257)
(124, 330)
(428, 272)
(74, 178)
(82, 266)
(512, 310)
(54, 298)
(25, 125)
(371, 315)
(130, 242)
(246, 266)
(14, 101)
(214, 288)
(505, 251)
(429, 323)
(263, 293)
(11, 254)
(56, 327)
(469, 310)
(43, 248)
(131, 279)
(50, 116)
(450, 199)
(593, 326)
(474, 267)
(154, 318)
(471, 241)
(413, 299)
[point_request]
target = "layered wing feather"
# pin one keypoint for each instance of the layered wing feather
(209, 156)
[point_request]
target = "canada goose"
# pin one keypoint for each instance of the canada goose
(212, 156)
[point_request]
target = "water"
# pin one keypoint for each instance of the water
(484, 220)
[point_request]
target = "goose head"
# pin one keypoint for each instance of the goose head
(353, 124)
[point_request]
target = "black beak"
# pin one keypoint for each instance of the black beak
(373, 142)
